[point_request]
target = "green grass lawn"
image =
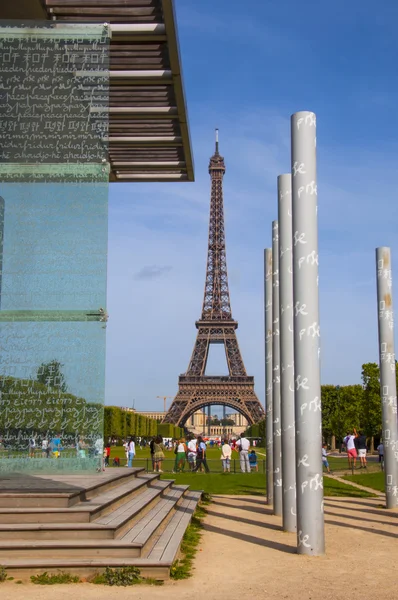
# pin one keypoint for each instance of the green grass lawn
(217, 482)
(222, 483)
(372, 480)
(251, 483)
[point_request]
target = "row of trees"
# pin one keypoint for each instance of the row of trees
(122, 424)
(346, 407)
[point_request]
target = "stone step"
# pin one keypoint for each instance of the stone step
(83, 511)
(156, 564)
(166, 547)
(46, 492)
(132, 544)
(156, 519)
(109, 526)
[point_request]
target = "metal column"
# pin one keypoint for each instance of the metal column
(388, 388)
(276, 385)
(287, 353)
(268, 373)
(309, 479)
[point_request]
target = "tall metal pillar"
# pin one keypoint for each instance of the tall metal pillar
(309, 479)
(287, 352)
(276, 384)
(268, 374)
(209, 420)
(388, 388)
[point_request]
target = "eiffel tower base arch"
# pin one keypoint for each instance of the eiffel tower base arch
(196, 393)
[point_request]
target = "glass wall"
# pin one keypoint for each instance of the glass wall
(54, 98)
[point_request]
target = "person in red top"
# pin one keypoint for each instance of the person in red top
(107, 454)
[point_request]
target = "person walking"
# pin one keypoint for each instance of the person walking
(325, 461)
(380, 450)
(158, 454)
(201, 456)
(362, 449)
(131, 448)
(226, 453)
(243, 446)
(107, 454)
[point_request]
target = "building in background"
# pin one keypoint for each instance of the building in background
(198, 423)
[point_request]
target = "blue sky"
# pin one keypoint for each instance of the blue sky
(247, 68)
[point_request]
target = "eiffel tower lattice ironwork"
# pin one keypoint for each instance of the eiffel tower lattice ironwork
(216, 326)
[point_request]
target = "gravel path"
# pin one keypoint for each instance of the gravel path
(244, 554)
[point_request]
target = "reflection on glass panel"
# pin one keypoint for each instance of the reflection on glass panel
(52, 391)
(54, 95)
(54, 245)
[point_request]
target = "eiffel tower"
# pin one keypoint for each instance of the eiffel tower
(216, 326)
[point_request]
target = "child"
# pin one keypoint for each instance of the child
(253, 461)
(324, 457)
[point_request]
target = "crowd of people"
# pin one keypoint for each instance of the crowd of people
(193, 451)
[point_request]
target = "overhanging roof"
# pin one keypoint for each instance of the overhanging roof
(148, 125)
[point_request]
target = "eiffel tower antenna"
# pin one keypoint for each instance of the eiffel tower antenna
(216, 326)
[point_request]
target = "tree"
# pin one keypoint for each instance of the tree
(225, 422)
(371, 409)
(50, 374)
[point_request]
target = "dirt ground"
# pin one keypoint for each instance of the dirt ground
(244, 554)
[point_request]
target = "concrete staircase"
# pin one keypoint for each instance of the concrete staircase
(127, 518)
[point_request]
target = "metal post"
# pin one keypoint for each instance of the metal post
(209, 420)
(309, 479)
(388, 388)
(276, 385)
(287, 353)
(268, 374)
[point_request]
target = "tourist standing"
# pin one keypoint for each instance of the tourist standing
(131, 448)
(226, 453)
(126, 450)
(181, 455)
(107, 454)
(362, 450)
(32, 447)
(201, 456)
(56, 446)
(253, 461)
(158, 454)
(243, 445)
(45, 448)
(325, 461)
(349, 441)
(152, 451)
(192, 447)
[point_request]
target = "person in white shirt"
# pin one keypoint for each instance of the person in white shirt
(243, 446)
(192, 453)
(131, 452)
(349, 441)
(226, 453)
